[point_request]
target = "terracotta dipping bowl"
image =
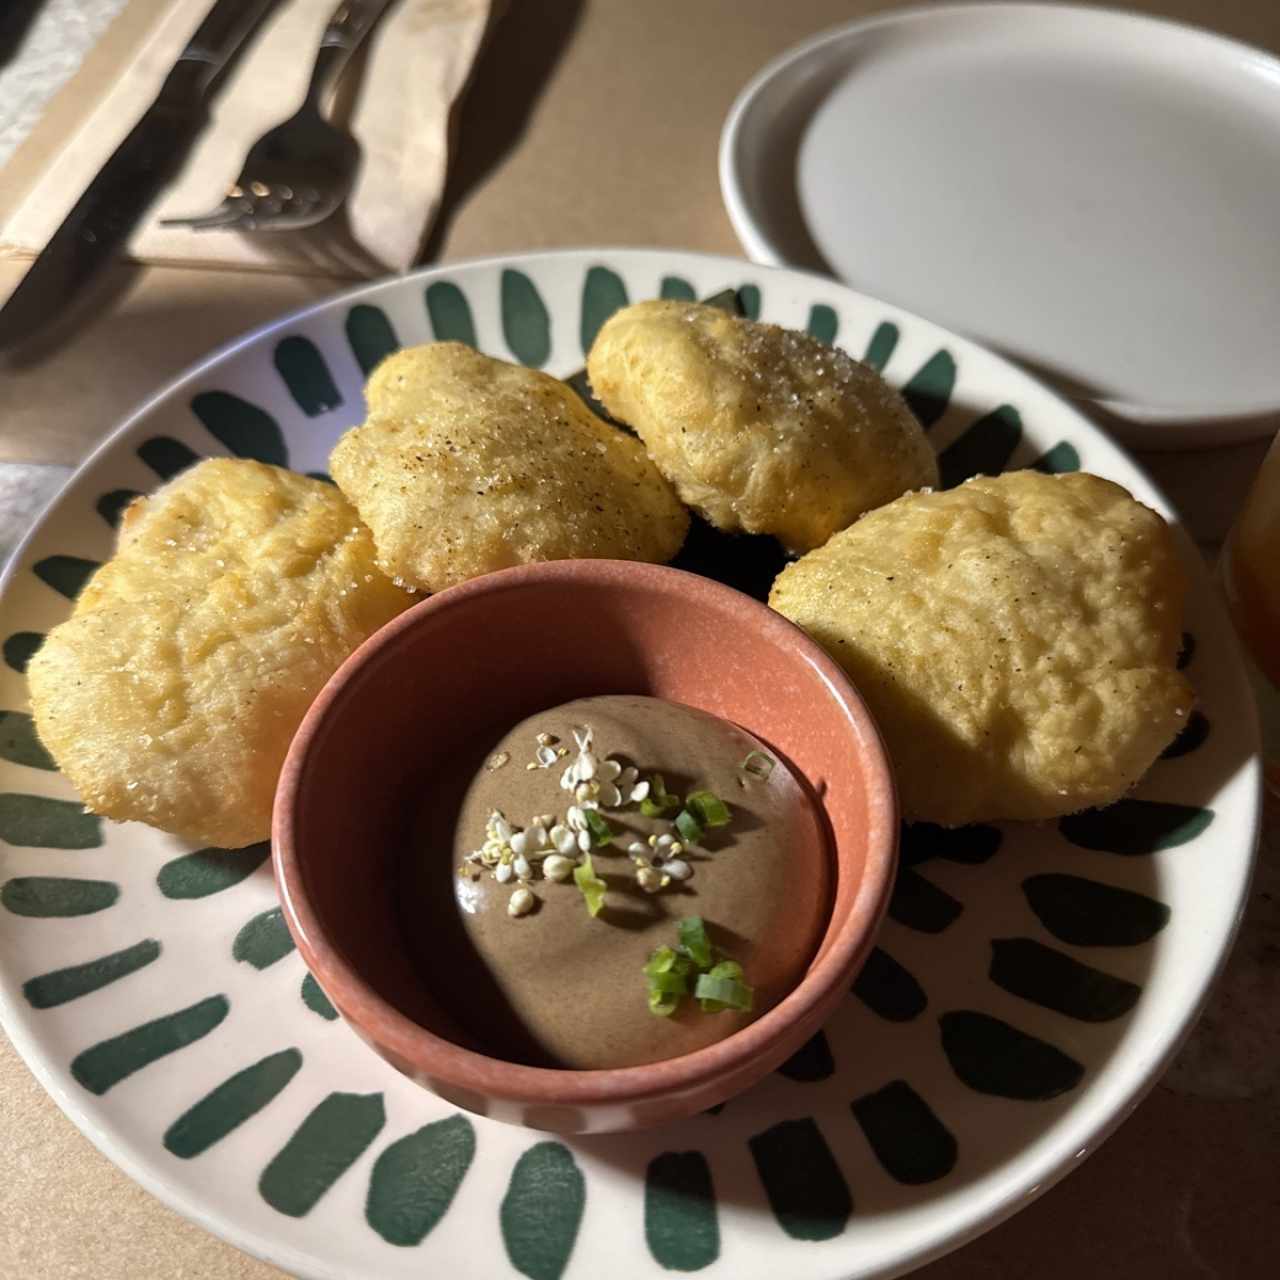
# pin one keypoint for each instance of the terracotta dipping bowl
(489, 653)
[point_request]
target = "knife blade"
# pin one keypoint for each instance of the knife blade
(127, 185)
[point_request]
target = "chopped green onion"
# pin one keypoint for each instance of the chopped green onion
(661, 961)
(590, 884)
(601, 831)
(667, 960)
(670, 983)
(726, 969)
(659, 801)
(716, 994)
(757, 764)
(663, 1003)
(708, 808)
(694, 941)
(689, 827)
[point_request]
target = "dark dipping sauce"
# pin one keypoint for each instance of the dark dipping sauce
(557, 987)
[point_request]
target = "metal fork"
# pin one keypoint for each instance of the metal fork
(298, 173)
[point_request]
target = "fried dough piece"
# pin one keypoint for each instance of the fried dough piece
(1015, 639)
(171, 694)
(469, 464)
(761, 429)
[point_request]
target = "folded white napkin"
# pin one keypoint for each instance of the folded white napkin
(417, 63)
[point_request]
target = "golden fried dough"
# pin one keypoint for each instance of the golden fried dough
(761, 429)
(469, 464)
(1015, 639)
(171, 694)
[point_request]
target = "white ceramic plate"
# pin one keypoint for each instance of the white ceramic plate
(1090, 191)
(1030, 985)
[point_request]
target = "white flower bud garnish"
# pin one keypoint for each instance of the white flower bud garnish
(563, 839)
(584, 841)
(519, 842)
(521, 902)
(639, 792)
(501, 827)
(678, 869)
(523, 869)
(638, 850)
(650, 879)
(546, 756)
(557, 867)
(537, 837)
(608, 770)
(610, 797)
(503, 872)
(575, 819)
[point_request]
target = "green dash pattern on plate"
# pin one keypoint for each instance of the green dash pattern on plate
(526, 326)
(43, 823)
(206, 871)
(1050, 978)
(65, 574)
(52, 989)
(1061, 458)
(603, 293)
(749, 300)
(807, 1192)
(882, 345)
(104, 1065)
(1136, 827)
(111, 505)
(919, 903)
(263, 940)
(306, 374)
(888, 989)
(984, 449)
(909, 1140)
(315, 999)
(928, 391)
(811, 1062)
(52, 897)
(1194, 734)
(1087, 913)
(994, 1058)
(326, 1144)
(970, 846)
(371, 336)
(542, 1210)
(231, 1104)
(677, 289)
(823, 323)
(247, 430)
(19, 743)
(450, 314)
(20, 648)
(416, 1178)
(167, 456)
(680, 1224)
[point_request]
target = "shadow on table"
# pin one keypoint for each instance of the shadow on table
(520, 52)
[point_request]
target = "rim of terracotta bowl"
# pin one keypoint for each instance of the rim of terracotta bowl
(843, 945)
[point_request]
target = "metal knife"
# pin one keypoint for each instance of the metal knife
(124, 188)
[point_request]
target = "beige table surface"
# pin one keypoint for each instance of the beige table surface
(596, 122)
